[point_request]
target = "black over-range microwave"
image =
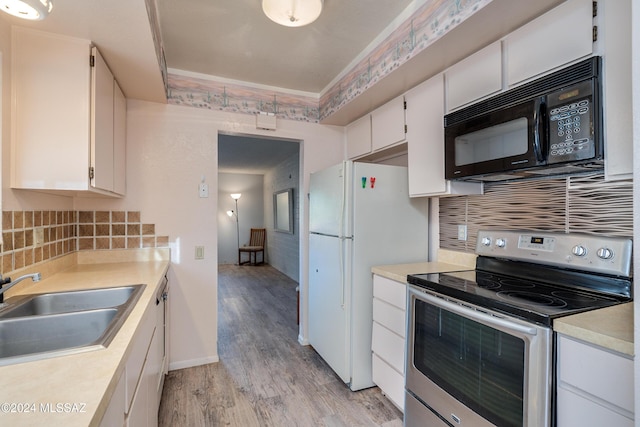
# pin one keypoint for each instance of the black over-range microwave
(550, 126)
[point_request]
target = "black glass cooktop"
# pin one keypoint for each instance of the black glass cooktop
(539, 301)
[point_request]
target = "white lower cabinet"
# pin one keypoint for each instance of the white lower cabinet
(388, 337)
(114, 415)
(594, 386)
(136, 401)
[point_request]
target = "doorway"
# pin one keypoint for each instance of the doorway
(258, 168)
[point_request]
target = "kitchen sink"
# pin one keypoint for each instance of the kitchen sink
(63, 302)
(40, 326)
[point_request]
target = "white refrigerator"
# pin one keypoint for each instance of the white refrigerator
(360, 215)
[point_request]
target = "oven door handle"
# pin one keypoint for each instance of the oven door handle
(471, 313)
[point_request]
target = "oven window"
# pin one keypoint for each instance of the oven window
(480, 366)
(496, 142)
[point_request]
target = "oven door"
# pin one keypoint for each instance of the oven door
(475, 368)
(503, 140)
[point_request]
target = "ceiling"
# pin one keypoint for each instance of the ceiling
(234, 39)
(245, 154)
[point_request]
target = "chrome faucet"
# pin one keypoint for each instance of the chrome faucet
(9, 284)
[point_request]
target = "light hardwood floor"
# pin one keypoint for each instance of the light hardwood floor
(264, 377)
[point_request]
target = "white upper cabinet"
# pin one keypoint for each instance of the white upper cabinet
(119, 140)
(425, 143)
(387, 124)
(65, 117)
(475, 77)
(102, 94)
(562, 35)
(614, 45)
(359, 137)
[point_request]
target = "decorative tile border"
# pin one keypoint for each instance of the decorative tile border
(239, 98)
(572, 205)
(429, 23)
(65, 232)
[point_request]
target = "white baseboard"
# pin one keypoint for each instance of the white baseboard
(182, 364)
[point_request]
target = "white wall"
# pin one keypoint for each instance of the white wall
(283, 248)
(169, 149)
(250, 208)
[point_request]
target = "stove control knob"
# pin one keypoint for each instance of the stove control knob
(579, 250)
(605, 253)
(486, 241)
(501, 243)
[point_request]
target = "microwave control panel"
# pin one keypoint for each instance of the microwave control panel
(570, 115)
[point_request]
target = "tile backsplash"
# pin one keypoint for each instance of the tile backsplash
(577, 204)
(29, 237)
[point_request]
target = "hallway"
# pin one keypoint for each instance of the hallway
(264, 377)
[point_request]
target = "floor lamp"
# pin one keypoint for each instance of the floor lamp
(235, 197)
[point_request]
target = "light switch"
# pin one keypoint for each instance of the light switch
(199, 252)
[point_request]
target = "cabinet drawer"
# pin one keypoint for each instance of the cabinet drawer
(395, 293)
(389, 380)
(577, 411)
(135, 363)
(388, 346)
(606, 375)
(389, 316)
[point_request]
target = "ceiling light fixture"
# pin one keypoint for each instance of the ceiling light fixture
(34, 10)
(292, 13)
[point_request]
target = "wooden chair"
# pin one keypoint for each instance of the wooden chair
(256, 244)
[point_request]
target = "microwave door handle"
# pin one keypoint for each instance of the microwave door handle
(538, 122)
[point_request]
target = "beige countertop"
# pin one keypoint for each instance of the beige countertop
(84, 382)
(399, 272)
(610, 327)
(447, 261)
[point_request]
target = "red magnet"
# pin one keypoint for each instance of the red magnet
(373, 181)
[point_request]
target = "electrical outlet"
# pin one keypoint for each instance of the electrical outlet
(203, 191)
(38, 236)
(462, 232)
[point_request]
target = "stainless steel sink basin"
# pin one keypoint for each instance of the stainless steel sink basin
(23, 336)
(64, 302)
(40, 326)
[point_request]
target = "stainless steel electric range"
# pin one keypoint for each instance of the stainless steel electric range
(480, 347)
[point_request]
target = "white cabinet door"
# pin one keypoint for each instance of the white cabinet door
(562, 35)
(614, 37)
(387, 124)
(359, 137)
(102, 103)
(63, 119)
(425, 143)
(114, 415)
(50, 111)
(475, 77)
(119, 140)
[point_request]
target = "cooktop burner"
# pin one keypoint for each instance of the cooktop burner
(540, 276)
(527, 299)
